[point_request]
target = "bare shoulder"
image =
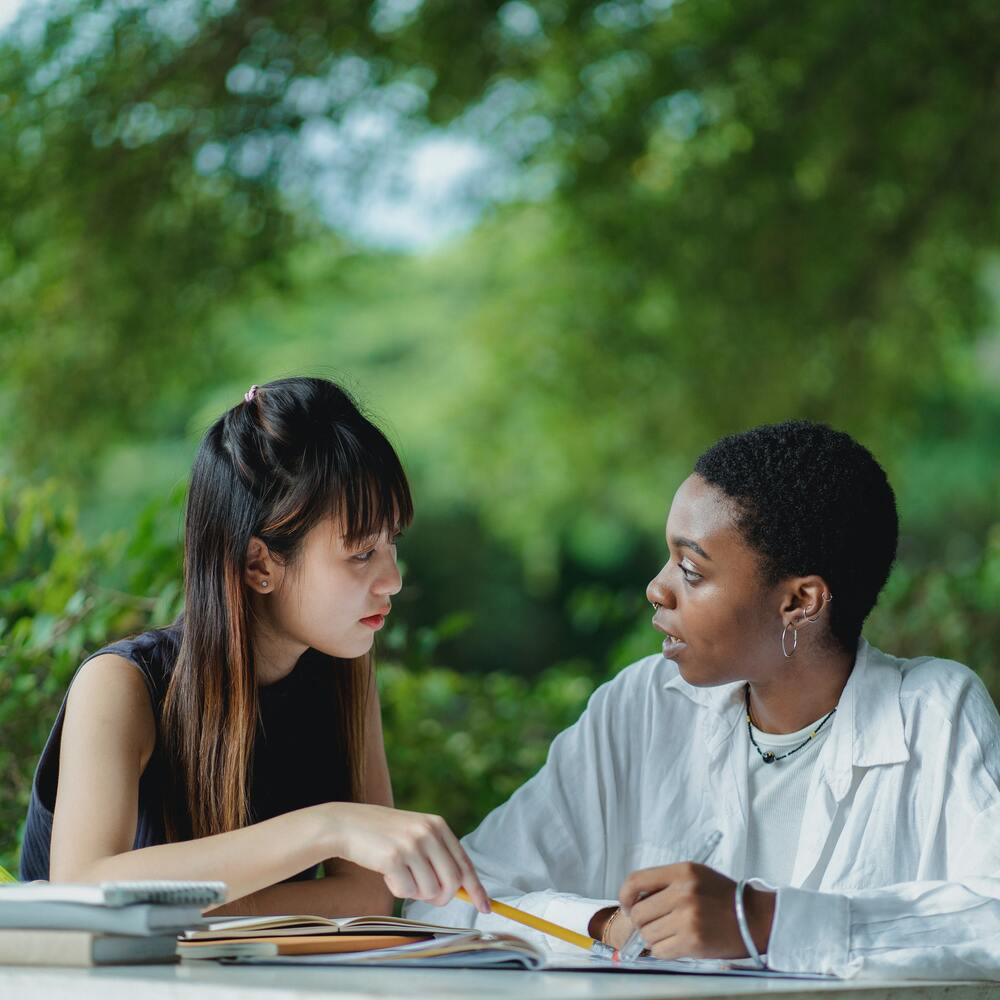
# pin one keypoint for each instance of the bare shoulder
(109, 697)
(108, 737)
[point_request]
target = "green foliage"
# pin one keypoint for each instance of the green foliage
(119, 244)
(748, 205)
(460, 744)
(61, 597)
(152, 162)
(948, 610)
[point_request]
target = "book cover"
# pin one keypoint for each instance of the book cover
(83, 948)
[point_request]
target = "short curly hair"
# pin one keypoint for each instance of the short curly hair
(810, 499)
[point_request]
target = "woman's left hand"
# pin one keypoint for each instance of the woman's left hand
(689, 912)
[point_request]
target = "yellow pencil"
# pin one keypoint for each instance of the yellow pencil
(545, 926)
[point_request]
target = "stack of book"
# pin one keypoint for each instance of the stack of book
(377, 940)
(114, 923)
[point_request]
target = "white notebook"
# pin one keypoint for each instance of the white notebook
(174, 892)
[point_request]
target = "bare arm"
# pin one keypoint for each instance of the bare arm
(107, 739)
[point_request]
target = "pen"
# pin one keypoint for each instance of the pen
(545, 926)
(633, 947)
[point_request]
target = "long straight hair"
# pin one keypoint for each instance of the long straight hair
(296, 451)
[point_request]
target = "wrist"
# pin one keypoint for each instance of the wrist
(599, 922)
(329, 833)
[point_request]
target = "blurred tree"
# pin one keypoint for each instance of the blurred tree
(748, 201)
(146, 177)
(760, 212)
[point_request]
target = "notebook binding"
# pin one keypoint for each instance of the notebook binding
(163, 891)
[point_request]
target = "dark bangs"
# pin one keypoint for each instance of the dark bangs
(345, 468)
(376, 497)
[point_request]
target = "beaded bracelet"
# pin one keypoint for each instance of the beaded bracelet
(741, 920)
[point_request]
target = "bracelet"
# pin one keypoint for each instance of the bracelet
(741, 920)
(614, 916)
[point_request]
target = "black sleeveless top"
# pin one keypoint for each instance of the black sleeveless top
(298, 757)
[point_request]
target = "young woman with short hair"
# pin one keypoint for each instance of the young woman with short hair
(770, 742)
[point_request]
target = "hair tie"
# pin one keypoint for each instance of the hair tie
(250, 394)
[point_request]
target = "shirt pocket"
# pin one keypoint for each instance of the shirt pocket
(696, 845)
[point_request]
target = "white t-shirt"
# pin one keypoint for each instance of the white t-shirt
(896, 870)
(777, 794)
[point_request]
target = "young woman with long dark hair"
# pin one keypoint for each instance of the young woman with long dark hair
(244, 742)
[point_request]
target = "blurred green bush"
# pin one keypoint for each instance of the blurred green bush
(948, 610)
(60, 598)
(458, 744)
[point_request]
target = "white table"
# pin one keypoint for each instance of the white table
(211, 982)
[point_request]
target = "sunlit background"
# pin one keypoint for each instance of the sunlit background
(556, 248)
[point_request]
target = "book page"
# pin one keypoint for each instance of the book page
(250, 927)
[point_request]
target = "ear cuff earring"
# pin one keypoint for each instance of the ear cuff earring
(826, 600)
(789, 653)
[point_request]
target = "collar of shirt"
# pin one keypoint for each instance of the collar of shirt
(866, 731)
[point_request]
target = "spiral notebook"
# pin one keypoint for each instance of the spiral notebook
(174, 893)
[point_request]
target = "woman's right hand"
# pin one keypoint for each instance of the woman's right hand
(416, 853)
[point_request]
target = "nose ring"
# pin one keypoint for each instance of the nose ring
(656, 607)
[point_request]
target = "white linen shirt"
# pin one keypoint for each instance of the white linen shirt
(897, 867)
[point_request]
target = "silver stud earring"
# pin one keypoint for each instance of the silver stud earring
(263, 584)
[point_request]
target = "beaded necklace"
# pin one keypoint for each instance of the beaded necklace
(766, 755)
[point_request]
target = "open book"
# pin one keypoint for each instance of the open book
(248, 928)
(307, 940)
